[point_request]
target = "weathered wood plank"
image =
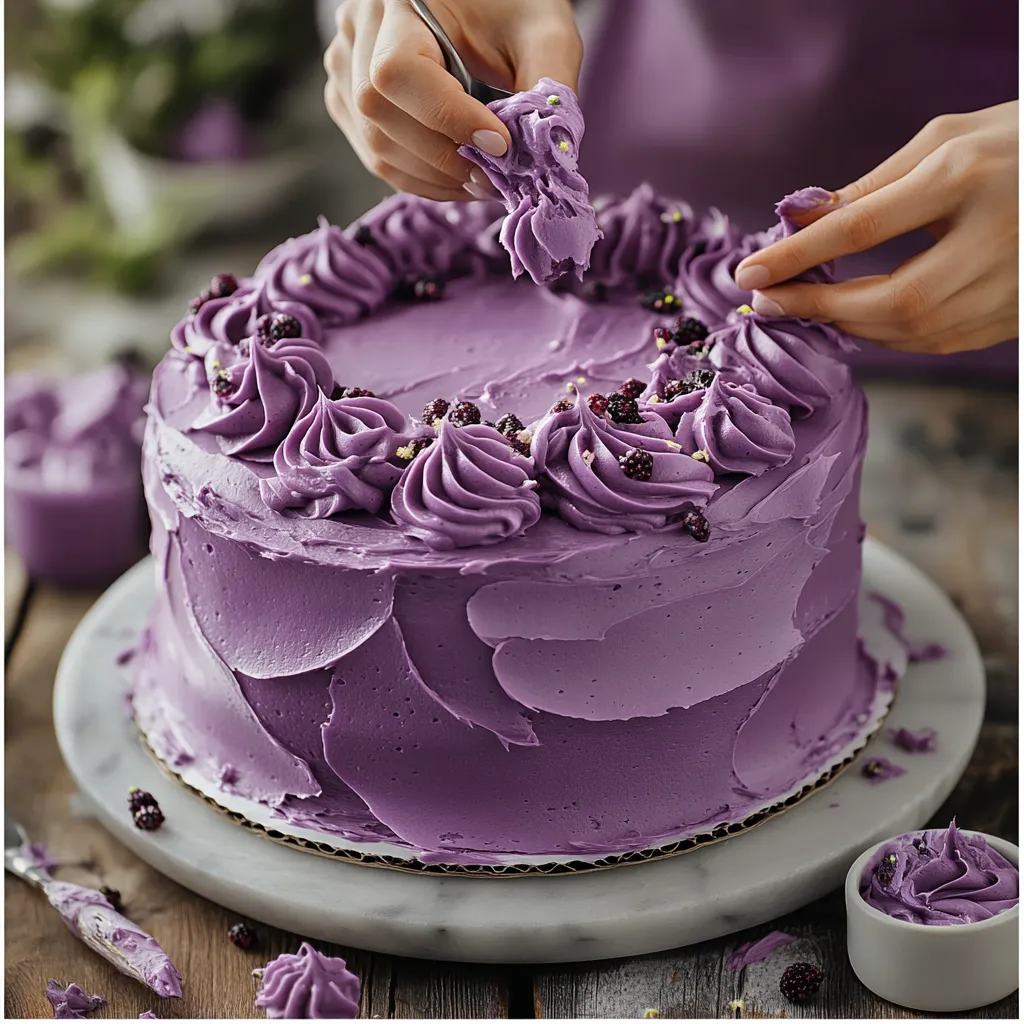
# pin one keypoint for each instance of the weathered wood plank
(423, 989)
(16, 592)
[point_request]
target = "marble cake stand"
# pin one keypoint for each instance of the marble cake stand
(628, 910)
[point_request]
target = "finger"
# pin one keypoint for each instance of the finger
(405, 69)
(406, 158)
(400, 181)
(552, 49)
(894, 210)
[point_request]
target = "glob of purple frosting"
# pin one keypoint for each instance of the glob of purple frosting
(551, 227)
(940, 877)
(308, 986)
(71, 1002)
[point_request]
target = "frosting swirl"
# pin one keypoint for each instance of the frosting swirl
(340, 456)
(578, 452)
(308, 986)
(706, 269)
(229, 319)
(940, 877)
(741, 431)
(467, 488)
(268, 392)
(792, 362)
(550, 227)
(643, 239)
(340, 280)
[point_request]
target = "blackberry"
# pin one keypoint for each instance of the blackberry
(598, 404)
(660, 302)
(337, 392)
(886, 870)
(223, 285)
(674, 388)
(356, 393)
(800, 982)
(435, 410)
(113, 897)
(563, 405)
(243, 936)
(428, 289)
(148, 818)
(363, 235)
(462, 414)
(632, 388)
(414, 447)
(689, 330)
(697, 526)
(222, 386)
(139, 798)
(701, 378)
(509, 425)
(519, 442)
(623, 409)
(637, 464)
(699, 247)
(273, 327)
(921, 846)
(198, 302)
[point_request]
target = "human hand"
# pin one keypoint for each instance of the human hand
(405, 116)
(958, 179)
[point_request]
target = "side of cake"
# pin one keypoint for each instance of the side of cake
(622, 612)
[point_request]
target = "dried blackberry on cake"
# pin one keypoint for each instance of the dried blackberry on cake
(355, 393)
(462, 414)
(244, 936)
(519, 442)
(696, 525)
(435, 410)
(363, 235)
(562, 405)
(623, 409)
(428, 289)
(223, 285)
(632, 388)
(701, 378)
(660, 302)
(598, 404)
(800, 982)
(509, 424)
(689, 330)
(637, 464)
(273, 327)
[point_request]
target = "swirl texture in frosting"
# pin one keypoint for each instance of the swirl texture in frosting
(269, 391)
(308, 986)
(940, 877)
(792, 362)
(551, 226)
(739, 430)
(340, 280)
(467, 488)
(578, 453)
(339, 457)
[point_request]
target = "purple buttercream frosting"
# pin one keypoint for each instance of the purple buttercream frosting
(578, 452)
(90, 916)
(468, 488)
(940, 877)
(880, 769)
(327, 271)
(551, 227)
(757, 950)
(71, 1002)
(739, 430)
(308, 986)
(791, 362)
(267, 393)
(339, 457)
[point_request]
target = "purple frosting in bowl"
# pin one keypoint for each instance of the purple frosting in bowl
(551, 227)
(940, 877)
(308, 986)
(468, 488)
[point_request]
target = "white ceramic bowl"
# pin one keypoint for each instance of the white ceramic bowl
(942, 968)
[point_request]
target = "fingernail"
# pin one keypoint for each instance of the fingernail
(475, 190)
(749, 278)
(765, 306)
(490, 142)
(483, 183)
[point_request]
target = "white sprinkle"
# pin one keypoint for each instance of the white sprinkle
(554, 344)
(701, 455)
(524, 436)
(570, 387)
(306, 279)
(452, 216)
(654, 400)
(528, 485)
(674, 445)
(588, 457)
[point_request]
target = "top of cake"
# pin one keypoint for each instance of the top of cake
(388, 394)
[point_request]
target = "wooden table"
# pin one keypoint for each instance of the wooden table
(940, 485)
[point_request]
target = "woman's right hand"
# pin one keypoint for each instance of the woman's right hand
(405, 116)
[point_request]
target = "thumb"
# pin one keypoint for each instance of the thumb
(549, 50)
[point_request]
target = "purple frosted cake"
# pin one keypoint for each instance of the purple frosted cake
(480, 568)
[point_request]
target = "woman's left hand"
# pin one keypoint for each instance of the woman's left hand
(958, 179)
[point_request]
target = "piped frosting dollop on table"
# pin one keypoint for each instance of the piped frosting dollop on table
(308, 986)
(551, 227)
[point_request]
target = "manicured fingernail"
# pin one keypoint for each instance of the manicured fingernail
(749, 278)
(475, 190)
(483, 183)
(490, 142)
(765, 306)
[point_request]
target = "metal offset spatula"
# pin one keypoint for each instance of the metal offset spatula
(454, 63)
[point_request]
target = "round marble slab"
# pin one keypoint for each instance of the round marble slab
(625, 911)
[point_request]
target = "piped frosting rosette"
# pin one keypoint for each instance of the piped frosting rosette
(643, 238)
(308, 986)
(738, 430)
(255, 403)
(550, 227)
(230, 319)
(340, 280)
(578, 453)
(467, 488)
(339, 457)
(676, 385)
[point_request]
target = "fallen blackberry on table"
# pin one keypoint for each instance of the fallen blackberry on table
(139, 798)
(800, 982)
(113, 897)
(148, 818)
(244, 936)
